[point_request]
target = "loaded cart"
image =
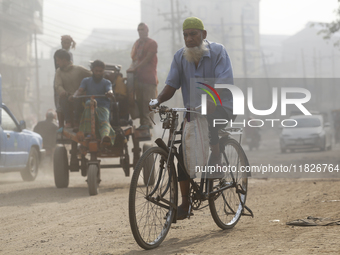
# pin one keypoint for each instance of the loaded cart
(86, 150)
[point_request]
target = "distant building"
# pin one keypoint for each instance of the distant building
(223, 21)
(19, 20)
(110, 45)
(305, 54)
(307, 57)
(308, 54)
(272, 55)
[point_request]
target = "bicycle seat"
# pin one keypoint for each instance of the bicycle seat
(227, 131)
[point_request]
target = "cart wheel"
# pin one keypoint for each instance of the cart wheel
(136, 150)
(92, 179)
(83, 166)
(60, 168)
(149, 175)
(125, 163)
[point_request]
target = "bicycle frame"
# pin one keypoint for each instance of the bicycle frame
(154, 207)
(202, 188)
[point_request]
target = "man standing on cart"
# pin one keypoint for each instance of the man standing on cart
(67, 80)
(144, 64)
(203, 59)
(67, 43)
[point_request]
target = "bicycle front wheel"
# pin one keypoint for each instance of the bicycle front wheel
(226, 206)
(152, 202)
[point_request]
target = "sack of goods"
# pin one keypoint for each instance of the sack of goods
(195, 142)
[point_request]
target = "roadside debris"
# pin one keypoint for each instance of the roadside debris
(314, 221)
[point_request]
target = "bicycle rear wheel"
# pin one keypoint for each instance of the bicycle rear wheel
(226, 207)
(152, 205)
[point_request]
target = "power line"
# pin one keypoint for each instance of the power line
(101, 15)
(66, 27)
(52, 33)
(173, 25)
(62, 27)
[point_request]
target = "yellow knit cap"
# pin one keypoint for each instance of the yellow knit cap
(193, 23)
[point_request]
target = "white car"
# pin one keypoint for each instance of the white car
(310, 132)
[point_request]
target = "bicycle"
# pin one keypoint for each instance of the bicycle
(153, 206)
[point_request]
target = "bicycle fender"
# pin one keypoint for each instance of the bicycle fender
(162, 144)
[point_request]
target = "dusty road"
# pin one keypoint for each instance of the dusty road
(37, 218)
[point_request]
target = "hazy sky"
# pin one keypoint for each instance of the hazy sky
(79, 17)
(290, 16)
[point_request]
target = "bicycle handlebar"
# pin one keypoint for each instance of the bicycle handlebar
(94, 96)
(164, 109)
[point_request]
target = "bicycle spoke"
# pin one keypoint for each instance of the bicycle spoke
(226, 204)
(147, 216)
(226, 208)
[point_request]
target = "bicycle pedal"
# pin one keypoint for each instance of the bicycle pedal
(239, 189)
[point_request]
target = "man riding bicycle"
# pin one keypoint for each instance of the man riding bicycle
(198, 59)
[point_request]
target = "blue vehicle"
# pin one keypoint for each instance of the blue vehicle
(20, 149)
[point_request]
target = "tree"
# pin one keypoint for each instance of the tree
(331, 28)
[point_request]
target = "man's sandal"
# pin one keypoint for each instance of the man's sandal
(182, 214)
(106, 141)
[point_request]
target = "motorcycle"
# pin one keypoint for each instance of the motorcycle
(252, 137)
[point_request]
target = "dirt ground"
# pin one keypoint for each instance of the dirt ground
(37, 218)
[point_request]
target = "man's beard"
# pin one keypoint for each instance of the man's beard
(194, 54)
(97, 79)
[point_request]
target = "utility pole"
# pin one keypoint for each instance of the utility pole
(315, 65)
(333, 64)
(222, 32)
(333, 80)
(175, 24)
(303, 68)
(264, 64)
(0, 96)
(266, 73)
(0, 45)
(245, 71)
(269, 88)
(320, 65)
(303, 64)
(173, 27)
(179, 30)
(315, 76)
(37, 75)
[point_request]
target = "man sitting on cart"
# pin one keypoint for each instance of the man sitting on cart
(97, 85)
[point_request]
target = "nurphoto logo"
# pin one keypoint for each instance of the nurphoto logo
(239, 102)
